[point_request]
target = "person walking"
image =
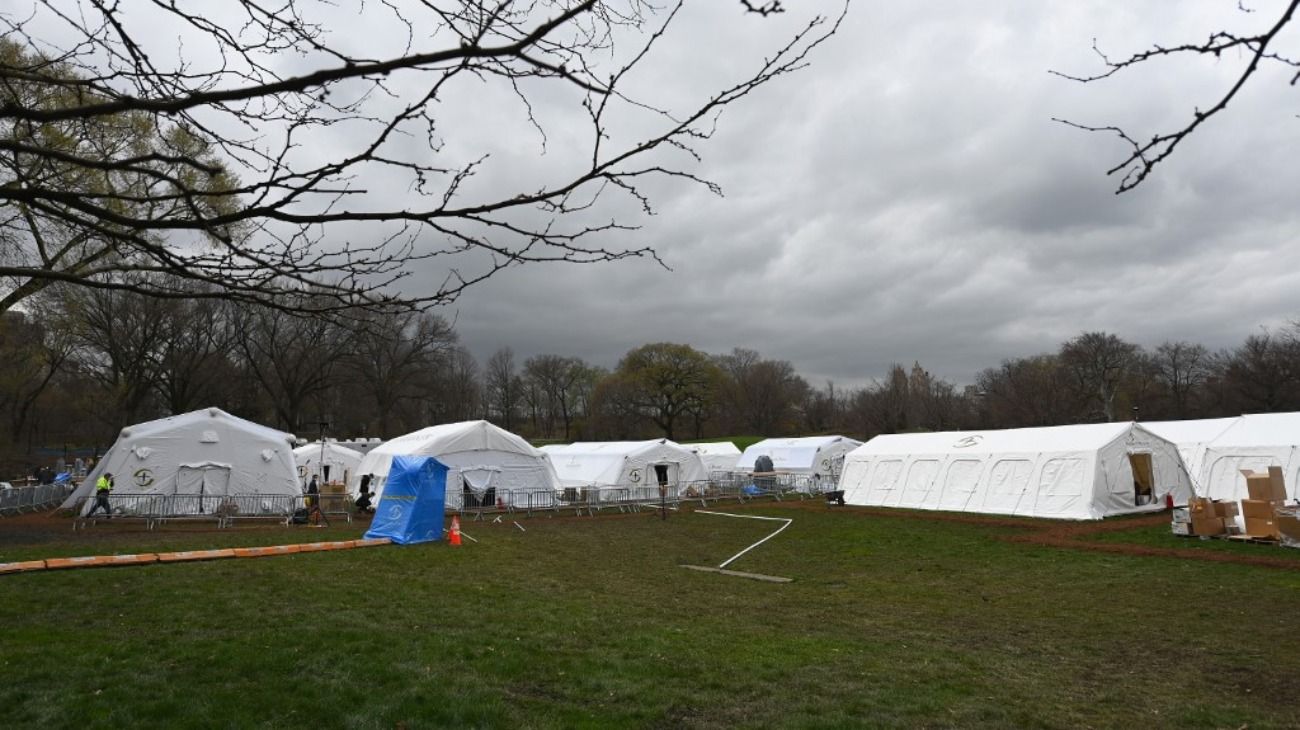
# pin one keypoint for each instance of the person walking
(103, 486)
(314, 513)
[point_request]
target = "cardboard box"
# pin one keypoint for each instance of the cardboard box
(1258, 527)
(1265, 486)
(1181, 528)
(1203, 524)
(1226, 510)
(1257, 509)
(1182, 515)
(1288, 528)
(1279, 486)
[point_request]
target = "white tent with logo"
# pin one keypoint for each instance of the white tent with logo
(820, 455)
(195, 456)
(488, 465)
(330, 461)
(717, 456)
(636, 466)
(1082, 472)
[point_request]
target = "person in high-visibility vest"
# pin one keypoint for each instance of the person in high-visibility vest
(103, 486)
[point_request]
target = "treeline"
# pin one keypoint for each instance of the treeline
(78, 365)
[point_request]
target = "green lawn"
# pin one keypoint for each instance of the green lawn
(741, 442)
(891, 622)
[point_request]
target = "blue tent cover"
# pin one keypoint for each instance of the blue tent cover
(414, 501)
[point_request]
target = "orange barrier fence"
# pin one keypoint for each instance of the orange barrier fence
(99, 561)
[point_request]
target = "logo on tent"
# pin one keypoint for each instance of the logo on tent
(635, 476)
(394, 511)
(968, 441)
(143, 477)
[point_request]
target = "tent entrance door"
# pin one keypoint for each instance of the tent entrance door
(202, 482)
(663, 474)
(1143, 479)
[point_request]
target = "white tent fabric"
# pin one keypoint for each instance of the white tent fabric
(632, 465)
(808, 455)
(206, 452)
(342, 462)
(717, 456)
(1254, 441)
(1064, 472)
(490, 462)
(1192, 437)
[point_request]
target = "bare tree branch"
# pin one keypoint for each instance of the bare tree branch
(1144, 156)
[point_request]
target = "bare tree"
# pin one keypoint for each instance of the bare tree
(195, 354)
(388, 351)
(560, 380)
(1028, 391)
(32, 355)
(1098, 362)
(294, 358)
(1252, 50)
(119, 337)
(455, 393)
(1263, 374)
(259, 177)
(1181, 367)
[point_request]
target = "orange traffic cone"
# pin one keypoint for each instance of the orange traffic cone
(455, 530)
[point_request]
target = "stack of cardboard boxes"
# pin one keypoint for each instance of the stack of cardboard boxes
(333, 497)
(1267, 493)
(1264, 512)
(1206, 517)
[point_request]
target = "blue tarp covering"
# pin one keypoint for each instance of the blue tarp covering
(413, 503)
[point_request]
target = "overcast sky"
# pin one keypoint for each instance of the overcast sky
(909, 197)
(906, 197)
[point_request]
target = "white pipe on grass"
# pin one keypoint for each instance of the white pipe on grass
(733, 558)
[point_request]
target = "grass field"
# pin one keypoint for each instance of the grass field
(892, 621)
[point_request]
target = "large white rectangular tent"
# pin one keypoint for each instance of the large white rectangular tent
(1254, 441)
(1080, 472)
(1191, 437)
(638, 467)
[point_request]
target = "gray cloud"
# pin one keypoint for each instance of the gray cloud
(909, 198)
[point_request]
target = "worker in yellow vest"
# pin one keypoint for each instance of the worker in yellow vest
(103, 486)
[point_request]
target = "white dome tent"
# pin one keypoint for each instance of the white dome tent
(814, 462)
(636, 466)
(1082, 472)
(718, 456)
(199, 455)
(488, 465)
(330, 461)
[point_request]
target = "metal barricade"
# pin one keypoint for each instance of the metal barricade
(337, 505)
(147, 508)
(543, 500)
(252, 506)
(9, 500)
